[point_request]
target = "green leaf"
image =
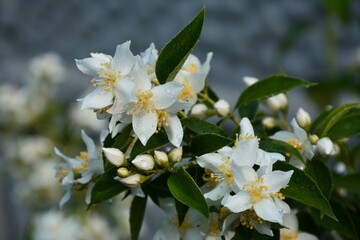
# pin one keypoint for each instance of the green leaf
(249, 110)
(157, 188)
(268, 87)
(174, 54)
(349, 182)
(209, 142)
(185, 190)
(334, 116)
(212, 95)
(157, 140)
(137, 211)
(303, 189)
(200, 126)
(106, 187)
(243, 233)
(347, 126)
(315, 125)
(321, 174)
(181, 210)
(280, 147)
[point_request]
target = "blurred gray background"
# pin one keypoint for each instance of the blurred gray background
(244, 35)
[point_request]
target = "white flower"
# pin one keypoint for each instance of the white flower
(47, 67)
(123, 172)
(222, 107)
(325, 146)
(149, 58)
(115, 156)
(175, 154)
(269, 122)
(277, 102)
(144, 162)
(161, 158)
(258, 192)
(198, 111)
(131, 181)
(250, 80)
(107, 71)
(292, 229)
(303, 118)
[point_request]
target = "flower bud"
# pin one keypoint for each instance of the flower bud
(123, 172)
(250, 80)
(175, 154)
(222, 107)
(303, 119)
(144, 162)
(161, 159)
(130, 181)
(325, 146)
(336, 150)
(199, 110)
(313, 138)
(277, 102)
(115, 156)
(269, 122)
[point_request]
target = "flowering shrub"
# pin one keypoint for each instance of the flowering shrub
(211, 184)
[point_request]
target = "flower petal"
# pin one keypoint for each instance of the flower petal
(276, 180)
(243, 175)
(306, 236)
(210, 161)
(144, 125)
(165, 95)
(267, 210)
(90, 145)
(65, 199)
(220, 190)
(300, 133)
(90, 66)
(139, 75)
(245, 153)
(125, 89)
(97, 99)
(264, 228)
(283, 136)
(240, 202)
(228, 221)
(123, 60)
(246, 127)
(174, 130)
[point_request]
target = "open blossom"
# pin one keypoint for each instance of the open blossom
(292, 229)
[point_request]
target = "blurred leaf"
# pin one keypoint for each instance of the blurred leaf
(268, 87)
(174, 54)
(243, 233)
(137, 211)
(280, 147)
(349, 182)
(157, 140)
(157, 188)
(201, 126)
(315, 125)
(347, 126)
(339, 7)
(106, 187)
(249, 110)
(209, 142)
(303, 189)
(185, 190)
(321, 174)
(181, 210)
(213, 96)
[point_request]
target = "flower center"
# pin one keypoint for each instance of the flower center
(84, 158)
(287, 235)
(191, 68)
(108, 77)
(144, 102)
(187, 92)
(61, 173)
(295, 144)
(162, 119)
(249, 218)
(256, 190)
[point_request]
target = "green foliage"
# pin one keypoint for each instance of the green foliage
(280, 147)
(346, 126)
(321, 174)
(186, 191)
(137, 211)
(349, 182)
(243, 233)
(201, 126)
(174, 54)
(249, 110)
(209, 142)
(157, 140)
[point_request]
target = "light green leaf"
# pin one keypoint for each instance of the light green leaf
(185, 190)
(349, 182)
(157, 140)
(137, 211)
(347, 126)
(200, 126)
(303, 189)
(174, 54)
(209, 142)
(268, 87)
(321, 174)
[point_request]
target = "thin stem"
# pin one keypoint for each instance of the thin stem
(206, 98)
(233, 118)
(182, 114)
(131, 146)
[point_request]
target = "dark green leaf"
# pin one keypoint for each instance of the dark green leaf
(243, 233)
(303, 189)
(174, 54)
(347, 126)
(280, 147)
(122, 139)
(315, 125)
(157, 140)
(249, 110)
(209, 142)
(137, 211)
(349, 182)
(157, 188)
(185, 190)
(181, 210)
(200, 126)
(212, 95)
(268, 87)
(321, 174)
(106, 187)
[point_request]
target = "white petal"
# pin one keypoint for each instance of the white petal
(192, 234)
(283, 136)
(114, 155)
(240, 202)
(264, 228)
(139, 75)
(144, 125)
(90, 145)
(181, 105)
(267, 210)
(165, 95)
(245, 153)
(101, 57)
(291, 221)
(97, 99)
(210, 161)
(89, 66)
(306, 236)
(218, 192)
(246, 127)
(228, 221)
(300, 133)
(65, 199)
(88, 193)
(174, 130)
(225, 151)
(125, 89)
(123, 60)
(118, 128)
(71, 161)
(243, 175)
(276, 180)
(283, 206)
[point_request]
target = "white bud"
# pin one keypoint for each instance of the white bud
(313, 139)
(336, 150)
(199, 110)
(123, 172)
(277, 102)
(175, 154)
(325, 146)
(269, 122)
(161, 158)
(303, 118)
(144, 162)
(222, 107)
(250, 80)
(131, 181)
(115, 156)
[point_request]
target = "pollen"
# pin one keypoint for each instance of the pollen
(249, 218)
(187, 92)
(287, 235)
(61, 173)
(191, 68)
(107, 77)
(256, 190)
(84, 158)
(162, 119)
(295, 144)
(144, 102)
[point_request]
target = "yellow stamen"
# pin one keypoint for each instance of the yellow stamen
(61, 173)
(295, 144)
(162, 119)
(107, 77)
(187, 92)
(191, 68)
(286, 235)
(144, 102)
(84, 158)
(249, 218)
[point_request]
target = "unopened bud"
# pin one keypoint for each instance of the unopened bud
(222, 107)
(303, 119)
(175, 154)
(199, 111)
(144, 162)
(123, 172)
(336, 150)
(161, 159)
(130, 181)
(313, 138)
(325, 146)
(115, 156)
(277, 102)
(250, 80)
(269, 122)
